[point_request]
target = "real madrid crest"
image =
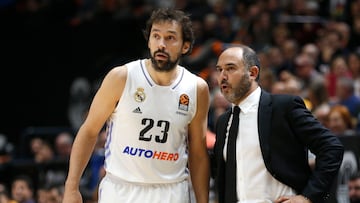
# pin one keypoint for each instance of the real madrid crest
(139, 95)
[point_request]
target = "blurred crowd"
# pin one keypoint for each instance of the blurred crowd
(310, 48)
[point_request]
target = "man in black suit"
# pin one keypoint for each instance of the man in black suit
(274, 136)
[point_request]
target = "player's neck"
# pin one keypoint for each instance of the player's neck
(163, 78)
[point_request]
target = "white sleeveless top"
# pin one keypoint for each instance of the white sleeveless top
(147, 132)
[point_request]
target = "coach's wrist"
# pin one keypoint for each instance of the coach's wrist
(306, 200)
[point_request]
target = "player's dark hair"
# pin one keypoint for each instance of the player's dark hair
(169, 14)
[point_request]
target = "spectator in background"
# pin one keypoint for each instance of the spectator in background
(329, 45)
(50, 194)
(338, 69)
(63, 145)
(44, 153)
(22, 189)
(278, 87)
(319, 100)
(280, 33)
(289, 50)
(42, 194)
(56, 193)
(305, 71)
(268, 76)
(290, 84)
(55, 158)
(35, 145)
(355, 32)
(4, 194)
(344, 31)
(259, 29)
(52, 171)
(340, 121)
(353, 62)
(354, 188)
(79, 98)
(345, 95)
(304, 31)
(276, 61)
(311, 50)
(6, 150)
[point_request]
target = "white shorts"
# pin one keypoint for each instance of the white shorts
(114, 190)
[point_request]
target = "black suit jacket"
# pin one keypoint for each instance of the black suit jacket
(286, 131)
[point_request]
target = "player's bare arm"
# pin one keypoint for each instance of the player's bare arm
(101, 108)
(198, 156)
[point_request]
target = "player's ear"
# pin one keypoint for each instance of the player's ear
(185, 47)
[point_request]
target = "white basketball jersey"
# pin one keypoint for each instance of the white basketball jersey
(147, 132)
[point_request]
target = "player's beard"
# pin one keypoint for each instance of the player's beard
(163, 66)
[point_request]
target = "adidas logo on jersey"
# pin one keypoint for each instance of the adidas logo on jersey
(137, 110)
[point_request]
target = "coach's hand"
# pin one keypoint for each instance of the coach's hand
(292, 199)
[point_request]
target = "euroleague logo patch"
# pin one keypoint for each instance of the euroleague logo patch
(184, 101)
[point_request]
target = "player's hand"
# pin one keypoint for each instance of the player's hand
(72, 196)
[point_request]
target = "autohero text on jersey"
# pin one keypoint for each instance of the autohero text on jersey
(149, 154)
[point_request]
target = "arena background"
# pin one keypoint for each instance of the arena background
(45, 49)
(42, 55)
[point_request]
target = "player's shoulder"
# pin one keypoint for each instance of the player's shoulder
(200, 81)
(118, 72)
(122, 70)
(202, 85)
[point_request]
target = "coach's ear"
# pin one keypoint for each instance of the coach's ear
(254, 72)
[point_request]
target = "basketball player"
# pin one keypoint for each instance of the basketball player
(156, 116)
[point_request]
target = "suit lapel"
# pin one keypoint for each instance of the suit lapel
(264, 123)
(219, 146)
